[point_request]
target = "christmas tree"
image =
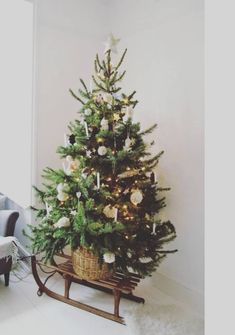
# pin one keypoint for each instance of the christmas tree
(105, 197)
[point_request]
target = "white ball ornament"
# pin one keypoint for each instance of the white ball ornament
(107, 97)
(62, 187)
(109, 257)
(145, 260)
(136, 197)
(109, 211)
(61, 196)
(69, 158)
(87, 112)
(62, 222)
(102, 150)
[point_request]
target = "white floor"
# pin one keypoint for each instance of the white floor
(23, 312)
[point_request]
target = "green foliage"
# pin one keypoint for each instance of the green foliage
(77, 200)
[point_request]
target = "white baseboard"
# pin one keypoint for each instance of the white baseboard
(192, 298)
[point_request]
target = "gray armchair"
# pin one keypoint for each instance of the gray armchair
(8, 220)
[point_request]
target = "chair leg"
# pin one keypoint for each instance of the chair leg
(7, 276)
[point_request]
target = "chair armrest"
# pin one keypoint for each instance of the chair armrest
(8, 220)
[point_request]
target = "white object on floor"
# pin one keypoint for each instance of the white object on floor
(8, 248)
(162, 320)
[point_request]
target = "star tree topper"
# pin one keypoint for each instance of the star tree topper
(111, 44)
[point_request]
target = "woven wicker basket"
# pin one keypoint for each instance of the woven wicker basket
(86, 265)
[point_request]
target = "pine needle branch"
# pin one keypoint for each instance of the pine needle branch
(131, 95)
(76, 97)
(98, 62)
(167, 251)
(98, 85)
(85, 87)
(149, 130)
(121, 60)
(95, 65)
(115, 90)
(120, 77)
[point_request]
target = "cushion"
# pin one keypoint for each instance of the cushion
(2, 201)
(8, 247)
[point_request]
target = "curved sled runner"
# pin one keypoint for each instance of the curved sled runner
(118, 285)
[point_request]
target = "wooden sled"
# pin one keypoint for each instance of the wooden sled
(118, 285)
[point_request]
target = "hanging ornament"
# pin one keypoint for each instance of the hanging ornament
(126, 191)
(61, 196)
(48, 209)
(62, 190)
(125, 100)
(62, 223)
(108, 98)
(88, 153)
(99, 98)
(102, 150)
(87, 112)
(71, 166)
(128, 173)
(129, 254)
(86, 128)
(109, 257)
(116, 214)
(72, 139)
(62, 187)
(78, 194)
(145, 260)
(104, 124)
(154, 229)
(98, 180)
(147, 216)
(136, 197)
(116, 117)
(128, 143)
(110, 211)
(84, 175)
(128, 112)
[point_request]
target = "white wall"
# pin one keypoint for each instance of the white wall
(16, 66)
(165, 65)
